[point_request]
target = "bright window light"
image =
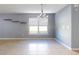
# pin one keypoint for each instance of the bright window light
(33, 29)
(43, 29)
(38, 26)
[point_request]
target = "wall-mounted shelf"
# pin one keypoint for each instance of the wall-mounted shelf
(15, 21)
(23, 22)
(8, 19)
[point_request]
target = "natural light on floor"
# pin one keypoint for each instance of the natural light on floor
(37, 48)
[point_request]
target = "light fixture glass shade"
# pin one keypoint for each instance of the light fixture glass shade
(42, 14)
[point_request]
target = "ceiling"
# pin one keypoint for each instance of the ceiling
(30, 8)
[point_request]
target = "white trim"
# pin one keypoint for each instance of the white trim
(64, 44)
(22, 38)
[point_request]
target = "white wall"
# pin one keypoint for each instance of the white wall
(63, 25)
(16, 30)
(9, 29)
(75, 26)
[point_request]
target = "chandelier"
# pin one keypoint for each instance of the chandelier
(42, 14)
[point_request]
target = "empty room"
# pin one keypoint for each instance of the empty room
(39, 29)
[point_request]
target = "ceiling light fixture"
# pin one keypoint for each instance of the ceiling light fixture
(42, 14)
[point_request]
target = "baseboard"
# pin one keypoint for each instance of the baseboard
(63, 44)
(22, 38)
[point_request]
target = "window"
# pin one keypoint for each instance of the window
(38, 25)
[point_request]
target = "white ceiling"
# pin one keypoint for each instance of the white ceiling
(30, 8)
